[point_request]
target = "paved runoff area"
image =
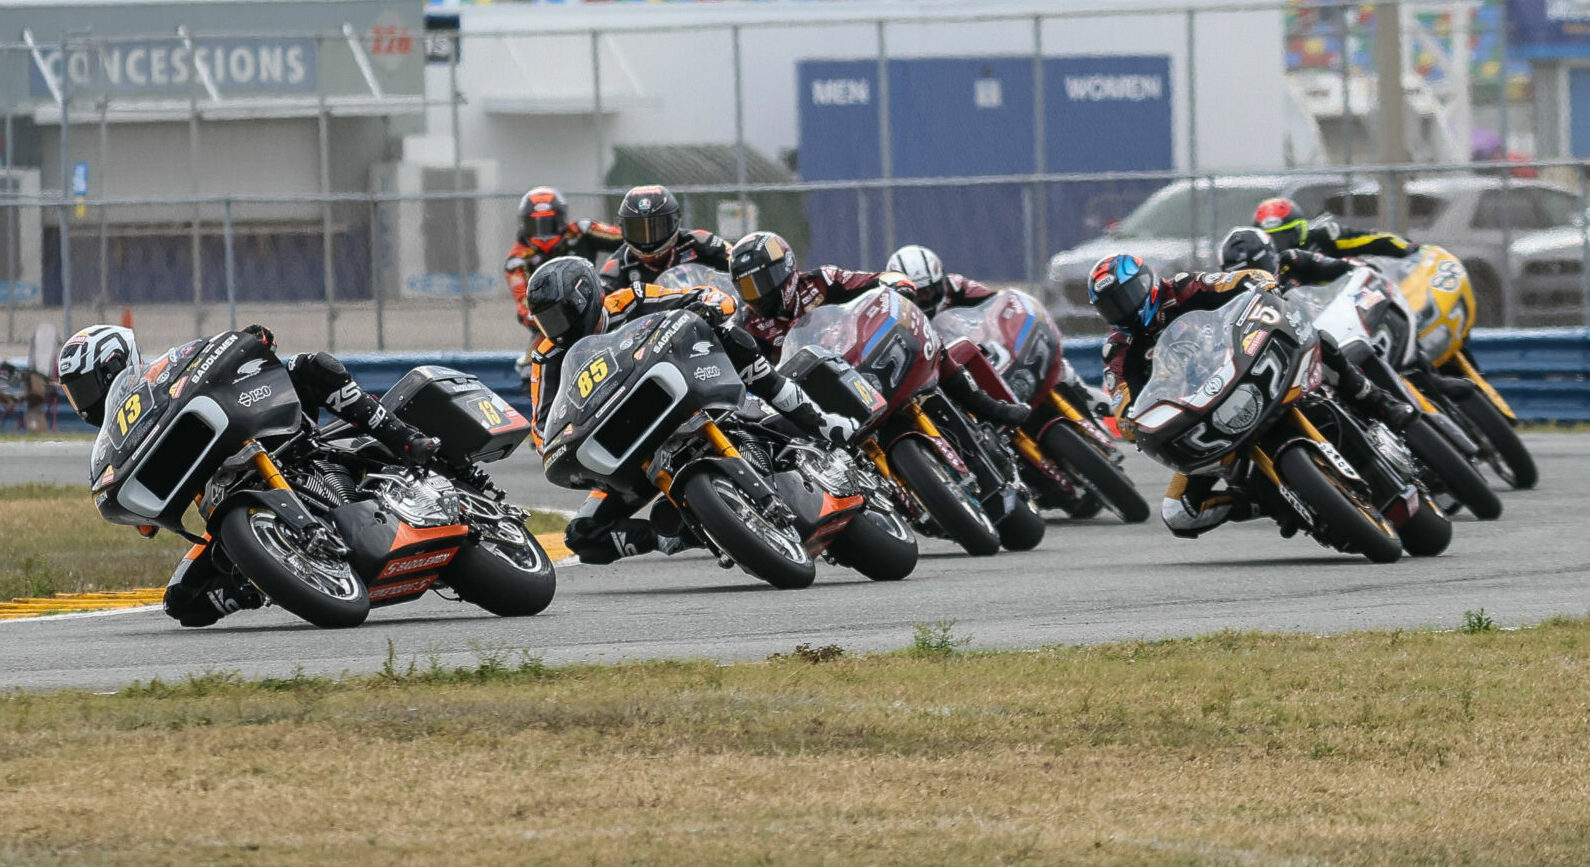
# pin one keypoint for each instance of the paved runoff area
(1090, 581)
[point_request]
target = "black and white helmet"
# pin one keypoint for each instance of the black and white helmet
(925, 271)
(90, 362)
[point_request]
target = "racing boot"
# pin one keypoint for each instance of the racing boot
(405, 440)
(797, 406)
(1192, 507)
(199, 595)
(981, 404)
(1356, 389)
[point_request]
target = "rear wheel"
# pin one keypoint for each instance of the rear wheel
(1097, 473)
(878, 544)
(1347, 522)
(318, 588)
(1453, 471)
(772, 552)
(509, 580)
(928, 480)
(1428, 532)
(1509, 457)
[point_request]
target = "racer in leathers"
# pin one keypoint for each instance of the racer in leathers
(1138, 305)
(1286, 223)
(1247, 247)
(763, 269)
(199, 593)
(546, 232)
(936, 291)
(566, 301)
(653, 241)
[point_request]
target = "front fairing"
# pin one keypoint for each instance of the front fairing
(886, 337)
(1017, 335)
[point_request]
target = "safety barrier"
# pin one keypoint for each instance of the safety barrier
(1544, 373)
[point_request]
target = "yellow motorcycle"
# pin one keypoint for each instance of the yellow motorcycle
(1444, 376)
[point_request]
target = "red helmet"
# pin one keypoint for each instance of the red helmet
(1283, 220)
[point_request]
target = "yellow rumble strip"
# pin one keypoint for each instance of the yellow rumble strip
(71, 603)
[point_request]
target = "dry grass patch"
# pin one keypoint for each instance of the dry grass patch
(52, 540)
(1369, 748)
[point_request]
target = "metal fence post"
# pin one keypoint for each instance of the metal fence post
(66, 186)
(13, 191)
(739, 133)
(885, 140)
(231, 265)
(376, 292)
(462, 235)
(328, 275)
(1348, 124)
(1504, 280)
(195, 254)
(863, 228)
(1038, 236)
(596, 109)
(104, 212)
(1584, 245)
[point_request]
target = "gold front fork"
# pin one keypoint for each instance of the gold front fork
(1472, 374)
(268, 471)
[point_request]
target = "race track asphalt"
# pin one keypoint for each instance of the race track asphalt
(1090, 581)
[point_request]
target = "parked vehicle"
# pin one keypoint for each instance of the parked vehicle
(1237, 392)
(325, 522)
(1068, 457)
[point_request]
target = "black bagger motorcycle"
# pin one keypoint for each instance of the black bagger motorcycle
(325, 522)
(655, 406)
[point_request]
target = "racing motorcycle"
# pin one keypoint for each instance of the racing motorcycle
(326, 523)
(1068, 457)
(954, 476)
(654, 406)
(1439, 292)
(1238, 392)
(1368, 318)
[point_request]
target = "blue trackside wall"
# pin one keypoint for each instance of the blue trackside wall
(960, 117)
(1544, 374)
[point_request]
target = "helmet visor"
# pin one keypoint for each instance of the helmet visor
(556, 321)
(650, 233)
(1120, 304)
(86, 393)
(759, 290)
(543, 226)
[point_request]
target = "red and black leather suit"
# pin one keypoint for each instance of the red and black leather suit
(628, 268)
(959, 291)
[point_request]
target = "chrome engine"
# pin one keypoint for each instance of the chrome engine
(430, 501)
(831, 470)
(1393, 449)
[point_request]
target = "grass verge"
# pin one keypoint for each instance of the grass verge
(1455, 747)
(52, 540)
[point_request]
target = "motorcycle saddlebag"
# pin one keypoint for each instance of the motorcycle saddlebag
(474, 424)
(834, 385)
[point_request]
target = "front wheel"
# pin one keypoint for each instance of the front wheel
(1346, 522)
(956, 512)
(509, 580)
(771, 552)
(1454, 472)
(1428, 532)
(1508, 455)
(879, 545)
(318, 588)
(1023, 528)
(1097, 473)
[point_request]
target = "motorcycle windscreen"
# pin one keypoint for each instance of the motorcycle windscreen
(832, 326)
(693, 274)
(1189, 355)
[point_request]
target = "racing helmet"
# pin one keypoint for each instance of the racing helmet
(89, 362)
(1247, 247)
(565, 300)
(649, 218)
(762, 267)
(543, 217)
(1283, 221)
(924, 269)
(1125, 291)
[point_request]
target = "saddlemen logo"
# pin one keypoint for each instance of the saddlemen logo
(248, 369)
(402, 588)
(253, 395)
(405, 565)
(701, 348)
(209, 359)
(711, 371)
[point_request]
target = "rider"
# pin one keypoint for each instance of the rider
(762, 266)
(936, 291)
(653, 241)
(1247, 247)
(1139, 306)
(199, 593)
(566, 300)
(1284, 221)
(545, 232)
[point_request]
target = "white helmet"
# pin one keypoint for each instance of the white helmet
(90, 362)
(924, 269)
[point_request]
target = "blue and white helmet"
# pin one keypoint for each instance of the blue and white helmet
(90, 362)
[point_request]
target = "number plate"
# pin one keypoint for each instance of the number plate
(590, 378)
(134, 409)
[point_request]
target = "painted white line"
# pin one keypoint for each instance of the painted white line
(77, 615)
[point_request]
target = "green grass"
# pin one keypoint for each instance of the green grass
(52, 540)
(1400, 747)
